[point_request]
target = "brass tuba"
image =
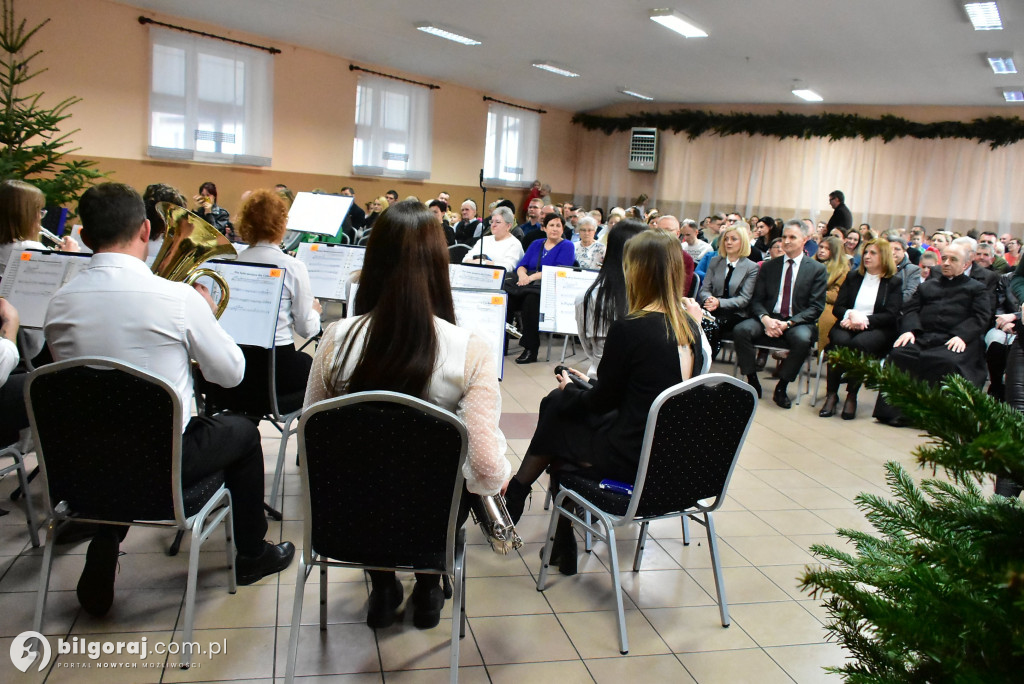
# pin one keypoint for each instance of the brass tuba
(188, 242)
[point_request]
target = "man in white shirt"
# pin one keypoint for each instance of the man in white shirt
(116, 307)
(12, 405)
(691, 245)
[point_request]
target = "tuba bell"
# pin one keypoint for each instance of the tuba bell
(188, 242)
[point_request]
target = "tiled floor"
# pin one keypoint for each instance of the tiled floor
(794, 484)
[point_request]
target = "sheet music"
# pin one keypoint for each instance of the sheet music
(33, 277)
(251, 316)
(558, 291)
(483, 312)
(316, 213)
(469, 277)
(329, 267)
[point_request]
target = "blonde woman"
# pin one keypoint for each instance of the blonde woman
(831, 254)
(377, 208)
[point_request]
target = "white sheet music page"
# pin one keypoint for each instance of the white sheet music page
(316, 213)
(329, 267)
(469, 277)
(251, 316)
(33, 277)
(558, 291)
(483, 312)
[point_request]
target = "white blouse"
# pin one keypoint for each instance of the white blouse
(865, 302)
(464, 382)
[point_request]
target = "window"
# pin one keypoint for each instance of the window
(210, 100)
(513, 136)
(394, 124)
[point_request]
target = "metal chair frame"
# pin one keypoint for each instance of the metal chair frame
(13, 451)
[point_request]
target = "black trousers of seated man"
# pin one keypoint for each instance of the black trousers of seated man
(799, 339)
(13, 416)
(231, 444)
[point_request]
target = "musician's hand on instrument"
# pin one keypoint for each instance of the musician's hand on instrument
(68, 244)
(955, 344)
(563, 379)
(204, 292)
(9, 320)
(317, 306)
(692, 308)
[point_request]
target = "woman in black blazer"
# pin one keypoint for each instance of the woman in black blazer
(867, 311)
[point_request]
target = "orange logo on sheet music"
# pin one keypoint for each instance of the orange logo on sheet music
(275, 273)
(314, 248)
(26, 256)
(497, 301)
(561, 274)
(496, 275)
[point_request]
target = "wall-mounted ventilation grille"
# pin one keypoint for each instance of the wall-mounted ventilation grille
(643, 149)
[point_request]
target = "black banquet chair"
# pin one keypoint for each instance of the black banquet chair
(457, 252)
(121, 464)
(382, 484)
(695, 431)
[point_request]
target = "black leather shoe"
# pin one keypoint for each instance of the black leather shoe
(781, 398)
(564, 548)
(426, 605)
(850, 408)
(273, 559)
(515, 499)
(96, 585)
(383, 604)
(828, 409)
(755, 383)
(528, 356)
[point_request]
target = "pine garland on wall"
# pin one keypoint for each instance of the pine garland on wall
(996, 131)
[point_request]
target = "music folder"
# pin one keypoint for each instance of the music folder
(558, 291)
(34, 276)
(317, 213)
(254, 302)
(476, 276)
(330, 267)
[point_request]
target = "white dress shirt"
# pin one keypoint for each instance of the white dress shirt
(116, 307)
(782, 282)
(9, 358)
(296, 298)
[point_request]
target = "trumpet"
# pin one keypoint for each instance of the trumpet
(188, 242)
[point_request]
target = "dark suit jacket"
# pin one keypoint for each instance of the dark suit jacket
(808, 297)
(990, 279)
(946, 307)
(887, 301)
(741, 287)
(841, 218)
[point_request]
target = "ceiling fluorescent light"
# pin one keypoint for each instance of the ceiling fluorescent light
(1013, 94)
(556, 70)
(984, 15)
(1001, 62)
(447, 34)
(679, 23)
(808, 95)
(637, 95)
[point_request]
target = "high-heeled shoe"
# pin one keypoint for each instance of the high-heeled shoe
(828, 409)
(850, 408)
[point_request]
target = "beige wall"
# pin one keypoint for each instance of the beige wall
(97, 50)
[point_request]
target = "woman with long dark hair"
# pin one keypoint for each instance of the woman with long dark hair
(605, 300)
(599, 432)
(211, 212)
(403, 338)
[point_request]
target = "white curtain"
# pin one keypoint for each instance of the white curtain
(394, 125)
(210, 100)
(513, 137)
(951, 184)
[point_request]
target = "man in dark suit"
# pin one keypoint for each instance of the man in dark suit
(841, 216)
(789, 296)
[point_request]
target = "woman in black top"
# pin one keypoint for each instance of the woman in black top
(599, 432)
(863, 322)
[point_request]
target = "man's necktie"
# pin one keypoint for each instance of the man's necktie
(728, 277)
(787, 289)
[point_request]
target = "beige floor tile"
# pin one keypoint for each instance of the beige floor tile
(849, 518)
(654, 556)
(688, 630)
(80, 668)
(489, 596)
(742, 585)
(521, 639)
(585, 562)
(765, 499)
(784, 480)
(816, 608)
(582, 593)
(32, 675)
(796, 522)
(663, 668)
(787, 577)
(252, 606)
(346, 602)
(574, 672)
(247, 653)
(596, 635)
(734, 666)
(403, 647)
(136, 610)
(664, 589)
(19, 609)
(696, 555)
(341, 649)
(22, 573)
(467, 675)
(359, 678)
(804, 663)
(736, 524)
(481, 561)
(818, 497)
(770, 550)
(778, 624)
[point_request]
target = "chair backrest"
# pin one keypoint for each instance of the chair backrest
(382, 473)
(108, 437)
(457, 252)
(694, 434)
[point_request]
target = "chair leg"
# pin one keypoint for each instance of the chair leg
(565, 346)
(229, 539)
(323, 598)
(716, 565)
(457, 610)
(44, 575)
(293, 635)
(462, 613)
(30, 515)
(545, 558)
(190, 593)
(641, 541)
(620, 612)
(588, 538)
(286, 432)
(547, 501)
(686, 530)
(817, 379)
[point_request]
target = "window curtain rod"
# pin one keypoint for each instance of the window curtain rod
(488, 98)
(353, 67)
(147, 20)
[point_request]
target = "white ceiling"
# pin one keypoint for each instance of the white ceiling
(872, 52)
